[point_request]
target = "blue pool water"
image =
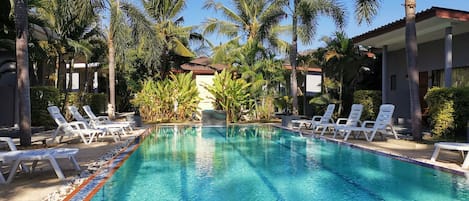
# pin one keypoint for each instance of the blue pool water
(268, 163)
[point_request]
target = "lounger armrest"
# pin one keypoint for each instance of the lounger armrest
(366, 123)
(103, 118)
(78, 125)
(341, 121)
(316, 118)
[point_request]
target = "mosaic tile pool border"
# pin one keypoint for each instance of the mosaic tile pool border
(91, 186)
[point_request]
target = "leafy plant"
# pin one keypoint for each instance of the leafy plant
(174, 98)
(448, 110)
(371, 101)
(230, 94)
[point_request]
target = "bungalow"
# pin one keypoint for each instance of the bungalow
(203, 71)
(443, 61)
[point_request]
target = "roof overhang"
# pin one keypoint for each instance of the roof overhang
(430, 26)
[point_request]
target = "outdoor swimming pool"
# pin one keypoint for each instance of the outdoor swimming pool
(268, 163)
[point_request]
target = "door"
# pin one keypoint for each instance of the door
(423, 88)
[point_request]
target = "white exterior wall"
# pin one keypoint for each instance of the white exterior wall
(207, 102)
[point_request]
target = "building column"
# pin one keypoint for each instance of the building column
(384, 75)
(448, 55)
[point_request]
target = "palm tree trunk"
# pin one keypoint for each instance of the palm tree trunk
(411, 54)
(293, 61)
(112, 82)
(22, 60)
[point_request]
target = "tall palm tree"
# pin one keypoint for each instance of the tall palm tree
(304, 14)
(126, 19)
(411, 57)
(22, 66)
(253, 28)
(366, 9)
(174, 38)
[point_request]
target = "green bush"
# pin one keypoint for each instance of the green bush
(448, 110)
(371, 100)
(41, 98)
(97, 102)
(230, 94)
(44, 96)
(176, 98)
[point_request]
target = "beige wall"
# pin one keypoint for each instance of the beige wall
(202, 80)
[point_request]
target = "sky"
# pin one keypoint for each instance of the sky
(390, 11)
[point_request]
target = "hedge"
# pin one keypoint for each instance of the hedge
(44, 96)
(371, 100)
(41, 98)
(448, 110)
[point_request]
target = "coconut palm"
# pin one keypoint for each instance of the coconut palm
(22, 63)
(366, 9)
(125, 20)
(304, 14)
(174, 38)
(411, 56)
(252, 21)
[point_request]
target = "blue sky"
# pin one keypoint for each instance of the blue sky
(390, 10)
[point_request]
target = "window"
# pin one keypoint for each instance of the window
(393, 83)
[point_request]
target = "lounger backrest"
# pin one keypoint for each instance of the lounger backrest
(75, 113)
(384, 116)
(326, 118)
(355, 114)
(89, 112)
(54, 112)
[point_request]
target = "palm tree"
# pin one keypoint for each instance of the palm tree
(126, 19)
(366, 9)
(304, 14)
(253, 28)
(22, 63)
(173, 37)
(411, 55)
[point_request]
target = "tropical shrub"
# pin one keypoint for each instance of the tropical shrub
(174, 98)
(97, 102)
(45, 96)
(371, 101)
(448, 110)
(229, 94)
(42, 97)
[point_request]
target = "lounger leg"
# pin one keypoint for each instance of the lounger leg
(394, 132)
(324, 130)
(347, 133)
(75, 163)
(56, 167)
(435, 154)
(13, 169)
(465, 164)
(371, 136)
(2, 179)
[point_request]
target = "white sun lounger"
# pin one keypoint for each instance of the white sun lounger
(381, 124)
(72, 128)
(17, 157)
(352, 121)
(103, 120)
(109, 128)
(463, 147)
(316, 120)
